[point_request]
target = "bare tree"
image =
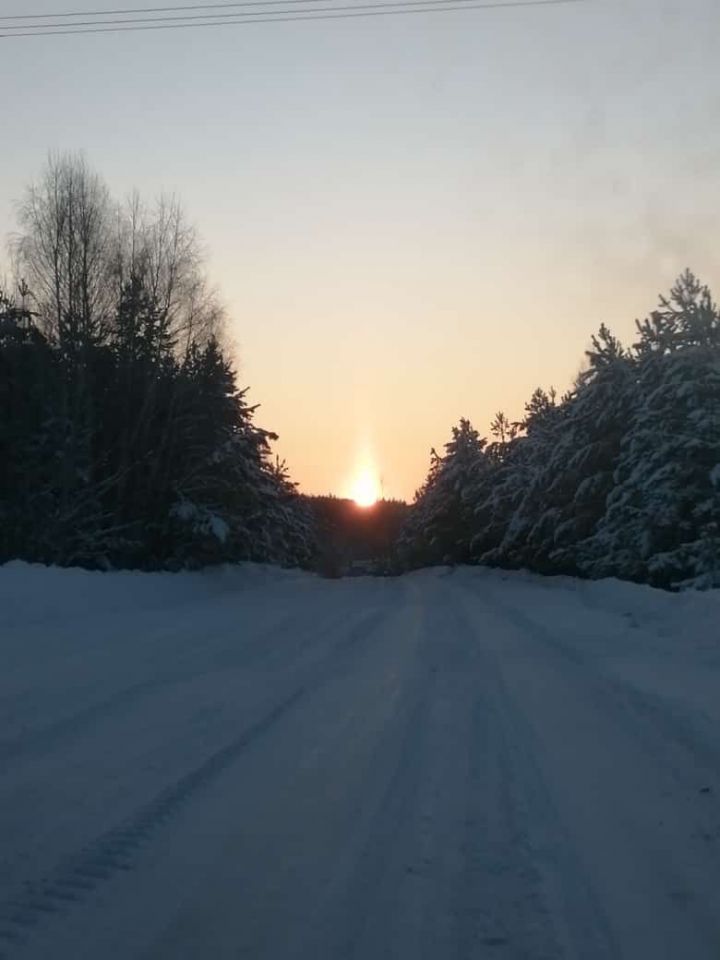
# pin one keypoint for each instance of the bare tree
(78, 252)
(64, 247)
(157, 248)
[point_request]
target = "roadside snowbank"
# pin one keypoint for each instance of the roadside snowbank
(33, 593)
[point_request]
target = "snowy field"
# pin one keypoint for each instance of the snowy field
(254, 764)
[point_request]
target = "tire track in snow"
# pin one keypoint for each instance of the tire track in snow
(541, 902)
(452, 854)
(114, 851)
(653, 720)
(548, 854)
(668, 764)
(49, 737)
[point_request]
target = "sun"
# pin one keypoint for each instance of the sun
(366, 489)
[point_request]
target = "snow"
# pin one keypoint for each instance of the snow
(248, 762)
(203, 520)
(220, 529)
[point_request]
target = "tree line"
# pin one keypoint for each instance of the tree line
(349, 537)
(125, 439)
(619, 477)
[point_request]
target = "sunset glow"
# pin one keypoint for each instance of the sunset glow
(366, 488)
(344, 224)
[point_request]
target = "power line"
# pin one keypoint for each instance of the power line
(212, 6)
(133, 24)
(210, 18)
(140, 10)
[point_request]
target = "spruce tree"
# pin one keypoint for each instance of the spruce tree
(663, 514)
(578, 473)
(442, 524)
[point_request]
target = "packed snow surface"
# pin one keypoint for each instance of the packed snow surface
(247, 763)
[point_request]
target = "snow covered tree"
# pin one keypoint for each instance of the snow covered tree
(50, 496)
(574, 475)
(621, 477)
(231, 500)
(125, 439)
(579, 472)
(509, 502)
(441, 523)
(662, 520)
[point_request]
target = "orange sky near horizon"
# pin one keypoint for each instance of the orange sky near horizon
(362, 407)
(411, 220)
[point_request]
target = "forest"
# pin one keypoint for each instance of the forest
(126, 440)
(620, 477)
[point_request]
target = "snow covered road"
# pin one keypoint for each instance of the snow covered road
(253, 764)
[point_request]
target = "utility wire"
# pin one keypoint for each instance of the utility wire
(213, 6)
(230, 17)
(136, 10)
(101, 23)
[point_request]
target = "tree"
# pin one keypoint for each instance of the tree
(230, 499)
(155, 247)
(662, 520)
(64, 250)
(508, 503)
(620, 477)
(575, 473)
(126, 440)
(441, 523)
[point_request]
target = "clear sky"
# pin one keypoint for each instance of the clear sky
(410, 219)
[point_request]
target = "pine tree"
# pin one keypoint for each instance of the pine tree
(663, 515)
(510, 503)
(578, 474)
(232, 501)
(441, 525)
(125, 439)
(26, 376)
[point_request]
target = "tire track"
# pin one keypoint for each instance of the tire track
(543, 902)
(653, 720)
(48, 738)
(114, 851)
(672, 763)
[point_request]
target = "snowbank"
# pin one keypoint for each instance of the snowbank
(33, 593)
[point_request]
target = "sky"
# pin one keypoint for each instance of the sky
(410, 219)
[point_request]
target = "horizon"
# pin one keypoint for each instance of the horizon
(410, 222)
